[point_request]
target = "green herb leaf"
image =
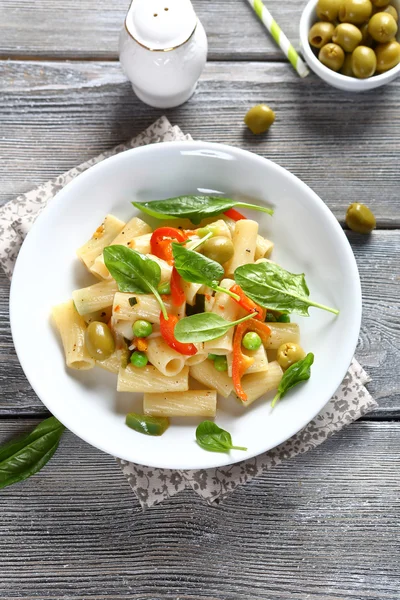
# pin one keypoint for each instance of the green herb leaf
(204, 327)
(195, 267)
(300, 371)
(271, 286)
(147, 425)
(21, 458)
(214, 439)
(194, 208)
(132, 301)
(134, 272)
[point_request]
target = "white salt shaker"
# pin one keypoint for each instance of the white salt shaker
(163, 50)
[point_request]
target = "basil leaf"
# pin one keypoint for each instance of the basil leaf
(204, 327)
(214, 439)
(19, 459)
(195, 267)
(272, 287)
(134, 272)
(146, 424)
(194, 208)
(296, 373)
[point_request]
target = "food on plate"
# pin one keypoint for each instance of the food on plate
(201, 300)
(363, 42)
(259, 118)
(360, 218)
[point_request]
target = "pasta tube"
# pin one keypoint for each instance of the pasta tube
(208, 375)
(264, 248)
(141, 243)
(260, 360)
(95, 297)
(281, 333)
(258, 384)
(165, 359)
(149, 379)
(101, 238)
(71, 328)
(194, 403)
(225, 307)
(244, 239)
(131, 307)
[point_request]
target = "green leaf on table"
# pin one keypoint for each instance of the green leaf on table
(194, 208)
(295, 374)
(204, 327)
(23, 457)
(272, 287)
(214, 439)
(134, 272)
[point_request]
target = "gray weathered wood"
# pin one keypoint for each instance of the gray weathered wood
(346, 147)
(90, 29)
(378, 349)
(323, 526)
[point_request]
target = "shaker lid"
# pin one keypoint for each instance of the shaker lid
(161, 24)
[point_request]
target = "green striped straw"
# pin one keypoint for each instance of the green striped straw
(280, 38)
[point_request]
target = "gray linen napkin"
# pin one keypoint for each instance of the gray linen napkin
(351, 400)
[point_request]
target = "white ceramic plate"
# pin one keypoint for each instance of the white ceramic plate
(307, 239)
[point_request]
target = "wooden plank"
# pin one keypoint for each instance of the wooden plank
(378, 348)
(346, 147)
(323, 526)
(90, 29)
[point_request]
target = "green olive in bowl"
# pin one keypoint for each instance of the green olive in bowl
(321, 33)
(355, 11)
(348, 36)
(363, 62)
(382, 27)
(387, 56)
(328, 10)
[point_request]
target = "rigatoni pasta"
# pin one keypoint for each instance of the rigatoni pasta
(193, 403)
(71, 327)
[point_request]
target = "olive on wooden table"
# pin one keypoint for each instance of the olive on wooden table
(360, 218)
(259, 118)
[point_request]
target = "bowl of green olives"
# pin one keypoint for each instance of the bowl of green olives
(353, 45)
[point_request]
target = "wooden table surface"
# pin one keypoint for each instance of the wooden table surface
(323, 526)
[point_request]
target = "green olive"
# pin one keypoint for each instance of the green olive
(392, 11)
(355, 11)
(327, 10)
(360, 218)
(346, 69)
(332, 56)
(363, 62)
(366, 38)
(348, 36)
(259, 118)
(320, 34)
(289, 353)
(387, 56)
(99, 340)
(382, 27)
(218, 248)
(380, 3)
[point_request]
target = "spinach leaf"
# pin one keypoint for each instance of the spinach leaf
(134, 272)
(195, 267)
(271, 286)
(300, 371)
(214, 439)
(146, 424)
(194, 208)
(19, 459)
(204, 327)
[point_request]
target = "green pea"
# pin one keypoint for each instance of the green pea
(270, 318)
(164, 289)
(142, 328)
(212, 356)
(220, 363)
(139, 359)
(251, 341)
(284, 319)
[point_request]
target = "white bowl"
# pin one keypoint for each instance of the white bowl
(349, 84)
(308, 239)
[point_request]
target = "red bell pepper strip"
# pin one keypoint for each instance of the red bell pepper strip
(167, 331)
(161, 241)
(241, 362)
(247, 304)
(177, 293)
(234, 214)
